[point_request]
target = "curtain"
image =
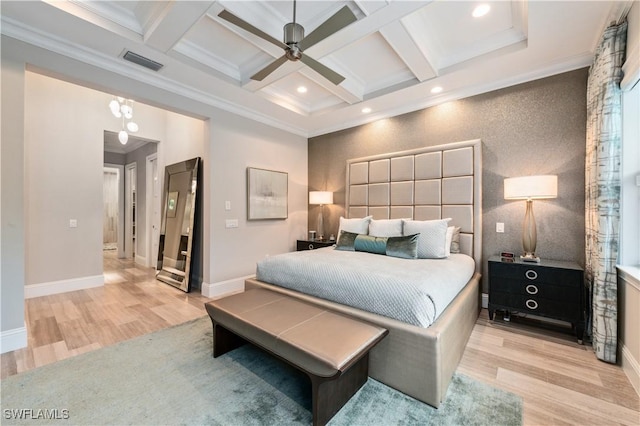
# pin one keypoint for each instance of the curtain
(602, 188)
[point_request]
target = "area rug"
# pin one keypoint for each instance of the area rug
(170, 377)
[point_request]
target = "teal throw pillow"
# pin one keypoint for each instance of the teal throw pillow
(405, 247)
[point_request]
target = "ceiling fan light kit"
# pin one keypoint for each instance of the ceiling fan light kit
(295, 43)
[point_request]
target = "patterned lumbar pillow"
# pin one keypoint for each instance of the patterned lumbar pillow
(405, 247)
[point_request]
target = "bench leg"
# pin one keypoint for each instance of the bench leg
(330, 394)
(224, 340)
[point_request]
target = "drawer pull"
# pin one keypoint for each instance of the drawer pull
(531, 274)
(532, 289)
(310, 246)
(531, 304)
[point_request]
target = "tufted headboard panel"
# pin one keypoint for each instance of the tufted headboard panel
(422, 184)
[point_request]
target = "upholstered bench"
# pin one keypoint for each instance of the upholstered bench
(332, 349)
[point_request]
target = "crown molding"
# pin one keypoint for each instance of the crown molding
(573, 63)
(65, 48)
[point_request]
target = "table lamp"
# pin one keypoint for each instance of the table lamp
(320, 198)
(530, 188)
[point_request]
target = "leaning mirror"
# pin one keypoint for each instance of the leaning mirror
(175, 250)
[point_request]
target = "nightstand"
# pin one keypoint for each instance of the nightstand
(552, 289)
(313, 244)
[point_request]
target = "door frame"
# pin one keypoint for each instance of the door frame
(130, 216)
(152, 186)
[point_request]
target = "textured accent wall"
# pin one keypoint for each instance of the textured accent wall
(532, 128)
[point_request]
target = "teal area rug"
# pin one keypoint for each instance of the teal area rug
(170, 377)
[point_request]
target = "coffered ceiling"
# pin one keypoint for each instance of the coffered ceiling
(392, 57)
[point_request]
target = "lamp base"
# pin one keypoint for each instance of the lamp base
(530, 258)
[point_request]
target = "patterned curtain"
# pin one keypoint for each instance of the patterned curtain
(602, 188)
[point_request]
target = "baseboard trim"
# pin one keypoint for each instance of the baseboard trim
(485, 300)
(140, 260)
(630, 367)
(62, 286)
(14, 339)
(223, 288)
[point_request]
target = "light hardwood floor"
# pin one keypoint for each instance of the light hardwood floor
(560, 381)
(131, 303)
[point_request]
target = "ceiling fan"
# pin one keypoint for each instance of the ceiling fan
(295, 43)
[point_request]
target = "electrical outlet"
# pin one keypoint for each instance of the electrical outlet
(231, 223)
(500, 227)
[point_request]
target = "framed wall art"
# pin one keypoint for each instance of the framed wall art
(267, 194)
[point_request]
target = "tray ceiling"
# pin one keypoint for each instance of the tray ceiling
(392, 56)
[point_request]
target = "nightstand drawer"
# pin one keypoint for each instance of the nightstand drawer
(551, 288)
(562, 310)
(537, 289)
(312, 245)
(536, 274)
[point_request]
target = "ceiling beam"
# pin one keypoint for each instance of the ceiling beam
(401, 41)
(173, 23)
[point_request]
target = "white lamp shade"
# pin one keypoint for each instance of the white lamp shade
(531, 187)
(320, 197)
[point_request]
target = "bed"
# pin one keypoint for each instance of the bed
(422, 351)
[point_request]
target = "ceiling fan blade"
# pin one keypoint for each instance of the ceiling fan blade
(230, 17)
(260, 75)
(324, 71)
(338, 21)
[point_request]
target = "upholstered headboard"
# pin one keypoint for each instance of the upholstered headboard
(422, 184)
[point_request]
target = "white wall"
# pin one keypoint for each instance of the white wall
(236, 146)
(230, 145)
(64, 148)
(13, 333)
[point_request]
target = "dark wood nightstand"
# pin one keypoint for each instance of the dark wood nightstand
(552, 289)
(313, 244)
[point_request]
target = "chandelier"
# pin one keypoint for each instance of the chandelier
(123, 108)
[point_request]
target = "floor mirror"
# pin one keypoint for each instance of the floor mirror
(176, 248)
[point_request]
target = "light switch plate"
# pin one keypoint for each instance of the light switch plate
(73, 223)
(231, 223)
(500, 227)
(227, 205)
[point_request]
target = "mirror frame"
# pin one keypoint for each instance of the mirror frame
(165, 273)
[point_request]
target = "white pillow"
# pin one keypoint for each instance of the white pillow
(357, 226)
(432, 241)
(385, 228)
(453, 240)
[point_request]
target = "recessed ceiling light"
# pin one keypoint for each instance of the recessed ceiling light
(481, 10)
(302, 89)
(366, 110)
(436, 89)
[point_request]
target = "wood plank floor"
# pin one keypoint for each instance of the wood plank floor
(561, 382)
(131, 303)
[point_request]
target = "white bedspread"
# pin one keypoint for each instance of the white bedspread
(415, 291)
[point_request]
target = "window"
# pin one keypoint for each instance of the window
(630, 197)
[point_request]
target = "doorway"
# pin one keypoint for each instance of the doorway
(135, 227)
(110, 216)
(113, 210)
(153, 212)
(130, 180)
